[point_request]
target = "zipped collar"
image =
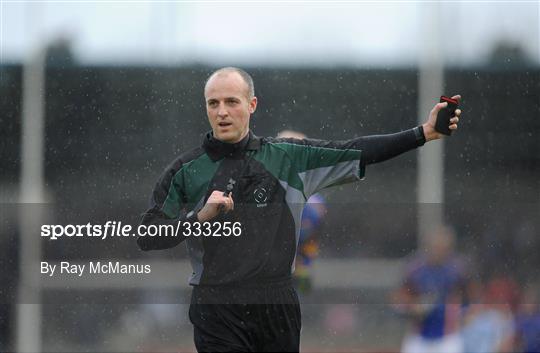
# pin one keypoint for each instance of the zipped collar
(217, 149)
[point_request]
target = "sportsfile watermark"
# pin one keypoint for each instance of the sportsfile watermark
(114, 229)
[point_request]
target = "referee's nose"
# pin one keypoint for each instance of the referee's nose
(222, 111)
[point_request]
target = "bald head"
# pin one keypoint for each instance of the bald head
(229, 103)
(250, 87)
(291, 134)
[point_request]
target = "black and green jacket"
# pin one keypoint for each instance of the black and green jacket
(273, 179)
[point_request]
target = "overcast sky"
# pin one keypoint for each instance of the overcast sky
(259, 33)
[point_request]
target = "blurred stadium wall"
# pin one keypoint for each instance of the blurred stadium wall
(110, 131)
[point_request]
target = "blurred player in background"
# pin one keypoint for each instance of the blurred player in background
(431, 295)
(528, 321)
(308, 244)
(488, 324)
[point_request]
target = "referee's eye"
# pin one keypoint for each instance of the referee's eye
(232, 101)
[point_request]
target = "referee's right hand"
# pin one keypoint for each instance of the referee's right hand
(429, 126)
(215, 204)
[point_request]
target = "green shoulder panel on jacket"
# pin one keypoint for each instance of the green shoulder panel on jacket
(189, 184)
(277, 161)
(320, 164)
(309, 157)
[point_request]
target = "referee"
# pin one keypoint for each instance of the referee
(243, 299)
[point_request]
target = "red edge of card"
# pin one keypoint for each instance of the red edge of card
(450, 100)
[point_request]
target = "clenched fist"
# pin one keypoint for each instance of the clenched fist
(215, 204)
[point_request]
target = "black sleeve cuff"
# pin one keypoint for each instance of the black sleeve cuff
(419, 134)
(379, 148)
(191, 217)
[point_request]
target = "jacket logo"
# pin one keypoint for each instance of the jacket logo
(261, 196)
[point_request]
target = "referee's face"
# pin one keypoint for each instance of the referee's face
(229, 106)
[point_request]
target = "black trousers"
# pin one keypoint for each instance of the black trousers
(256, 319)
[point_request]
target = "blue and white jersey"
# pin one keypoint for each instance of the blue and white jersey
(438, 286)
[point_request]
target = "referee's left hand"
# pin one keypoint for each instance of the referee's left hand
(429, 127)
(217, 203)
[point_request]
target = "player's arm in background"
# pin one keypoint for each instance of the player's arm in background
(408, 302)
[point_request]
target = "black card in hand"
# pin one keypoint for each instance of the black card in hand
(443, 117)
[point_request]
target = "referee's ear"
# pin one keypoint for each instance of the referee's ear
(252, 105)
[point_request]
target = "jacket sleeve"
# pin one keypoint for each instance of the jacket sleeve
(322, 164)
(167, 207)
